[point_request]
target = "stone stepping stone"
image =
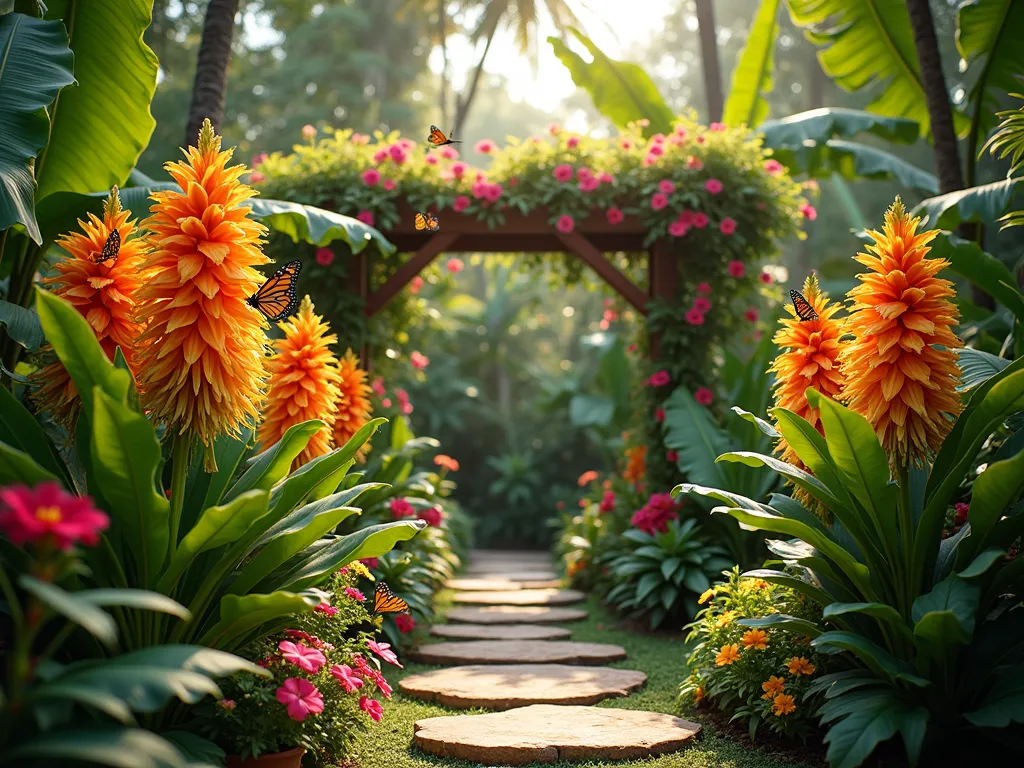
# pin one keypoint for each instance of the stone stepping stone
(520, 574)
(509, 554)
(518, 652)
(521, 597)
(515, 614)
(543, 733)
(483, 584)
(499, 632)
(503, 567)
(506, 686)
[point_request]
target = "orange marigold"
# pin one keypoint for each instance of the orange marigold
(784, 704)
(727, 654)
(808, 358)
(755, 639)
(104, 293)
(900, 369)
(353, 406)
(799, 665)
(636, 463)
(201, 365)
(303, 383)
(772, 687)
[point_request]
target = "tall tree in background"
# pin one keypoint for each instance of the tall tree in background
(211, 78)
(709, 59)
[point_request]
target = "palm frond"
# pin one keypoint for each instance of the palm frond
(1008, 142)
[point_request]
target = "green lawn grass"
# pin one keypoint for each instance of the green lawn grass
(389, 744)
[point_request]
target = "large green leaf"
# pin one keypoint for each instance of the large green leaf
(691, 430)
(125, 459)
(17, 467)
(101, 126)
(88, 616)
(309, 224)
(22, 325)
(853, 161)
(752, 76)
(995, 490)
(986, 28)
(20, 430)
(1004, 702)
(621, 91)
(101, 745)
(977, 366)
(139, 599)
(867, 43)
(591, 410)
(983, 204)
(820, 125)
(241, 613)
(35, 63)
(270, 467)
(874, 716)
(983, 269)
(870, 654)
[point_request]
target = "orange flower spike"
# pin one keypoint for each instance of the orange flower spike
(353, 408)
(897, 376)
(303, 383)
(103, 292)
(808, 358)
(201, 364)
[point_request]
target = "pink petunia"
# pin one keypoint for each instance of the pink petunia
(614, 215)
(737, 269)
(703, 396)
(677, 229)
(485, 146)
(371, 707)
(47, 513)
(398, 154)
(658, 201)
(349, 679)
(714, 186)
(324, 257)
(493, 192)
(459, 169)
(454, 266)
(606, 178)
(656, 149)
(667, 187)
(384, 651)
(727, 226)
(418, 360)
(565, 223)
(307, 659)
(371, 177)
(562, 173)
(658, 138)
(694, 316)
(366, 217)
(301, 697)
(355, 594)
(700, 220)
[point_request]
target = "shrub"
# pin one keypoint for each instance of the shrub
(747, 684)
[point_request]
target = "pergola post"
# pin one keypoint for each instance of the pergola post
(663, 271)
(579, 245)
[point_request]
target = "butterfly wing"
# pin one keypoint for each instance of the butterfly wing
(110, 248)
(803, 308)
(421, 221)
(433, 224)
(386, 601)
(278, 297)
(436, 137)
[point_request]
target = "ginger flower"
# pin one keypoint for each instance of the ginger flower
(201, 365)
(303, 383)
(352, 407)
(901, 371)
(103, 292)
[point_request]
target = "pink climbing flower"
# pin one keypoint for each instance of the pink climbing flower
(415, 285)
(349, 679)
(704, 289)
(418, 360)
(384, 651)
(658, 201)
(355, 594)
(389, 185)
(727, 226)
(565, 223)
(371, 177)
(677, 229)
(714, 186)
(307, 659)
(405, 623)
(765, 278)
(459, 169)
(808, 211)
(589, 184)
(324, 257)
(461, 203)
(659, 415)
(703, 396)
(694, 316)
(401, 508)
(485, 146)
(563, 172)
(301, 697)
(773, 166)
(700, 220)
(454, 266)
(614, 215)
(659, 379)
(702, 304)
(573, 142)
(366, 217)
(666, 187)
(256, 177)
(737, 269)
(371, 707)
(450, 153)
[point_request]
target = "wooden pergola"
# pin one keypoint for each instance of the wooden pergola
(531, 233)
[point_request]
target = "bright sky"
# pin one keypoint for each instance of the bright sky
(614, 26)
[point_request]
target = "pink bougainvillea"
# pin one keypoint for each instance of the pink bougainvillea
(694, 316)
(737, 269)
(614, 215)
(565, 223)
(371, 177)
(727, 226)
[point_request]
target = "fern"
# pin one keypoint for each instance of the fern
(1008, 142)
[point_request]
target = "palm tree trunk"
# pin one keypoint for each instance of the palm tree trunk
(462, 105)
(443, 32)
(709, 59)
(212, 68)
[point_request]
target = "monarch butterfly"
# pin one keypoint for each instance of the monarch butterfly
(428, 222)
(438, 139)
(110, 248)
(277, 297)
(803, 308)
(386, 601)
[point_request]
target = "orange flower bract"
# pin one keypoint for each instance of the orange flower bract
(353, 406)
(201, 365)
(901, 370)
(104, 293)
(303, 383)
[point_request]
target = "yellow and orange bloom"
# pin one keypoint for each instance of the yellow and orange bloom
(586, 478)
(755, 640)
(706, 595)
(772, 687)
(799, 665)
(446, 462)
(353, 406)
(104, 293)
(726, 619)
(698, 694)
(727, 654)
(303, 383)
(201, 362)
(783, 704)
(808, 358)
(901, 369)
(636, 463)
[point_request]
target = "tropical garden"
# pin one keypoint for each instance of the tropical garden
(729, 333)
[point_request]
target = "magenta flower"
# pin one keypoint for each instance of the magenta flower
(677, 229)
(589, 184)
(607, 502)
(378, 386)
(326, 609)
(301, 697)
(573, 142)
(565, 223)
(416, 283)
(659, 379)
(454, 266)
(808, 211)
(389, 185)
(701, 304)
(714, 186)
(49, 513)
(750, 315)
(680, 131)
(606, 178)
(256, 177)
(382, 685)
(704, 289)
(449, 153)
(366, 217)
(380, 155)
(694, 316)
(432, 515)
(419, 360)
(400, 507)
(493, 192)
(459, 169)
(659, 415)
(614, 215)
(349, 679)
(324, 257)
(371, 707)
(371, 176)
(461, 204)
(658, 201)
(703, 396)
(355, 594)
(773, 166)
(672, 457)
(260, 158)
(727, 226)
(405, 623)
(765, 278)
(737, 269)
(397, 152)
(700, 220)
(563, 172)
(686, 218)
(666, 186)
(717, 127)
(626, 144)
(384, 651)
(485, 146)
(307, 659)
(432, 160)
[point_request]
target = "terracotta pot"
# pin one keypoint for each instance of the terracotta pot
(290, 759)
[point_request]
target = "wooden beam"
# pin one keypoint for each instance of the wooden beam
(663, 276)
(626, 288)
(359, 285)
(420, 260)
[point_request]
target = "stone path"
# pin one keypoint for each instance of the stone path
(536, 679)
